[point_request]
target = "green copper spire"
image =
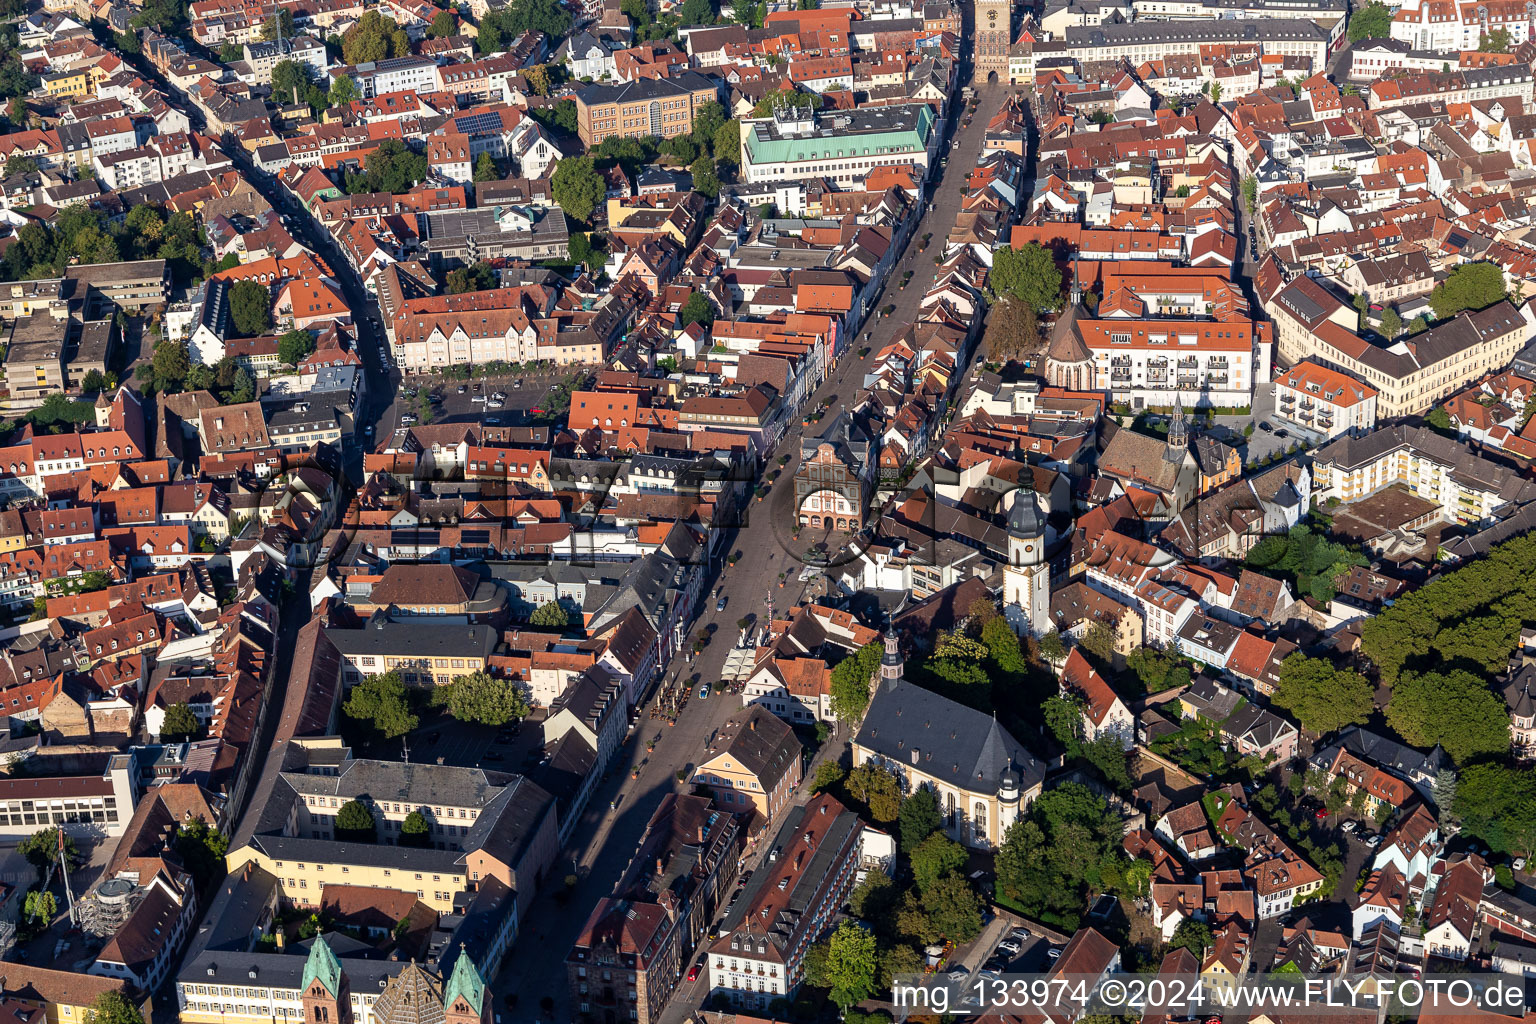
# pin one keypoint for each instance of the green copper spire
(465, 982)
(322, 964)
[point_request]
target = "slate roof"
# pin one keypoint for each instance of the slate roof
(955, 743)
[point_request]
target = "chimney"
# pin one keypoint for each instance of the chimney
(701, 833)
(753, 724)
(659, 866)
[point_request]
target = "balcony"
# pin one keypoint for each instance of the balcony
(1189, 363)
(1188, 380)
(1288, 399)
(1120, 374)
(1120, 361)
(1157, 376)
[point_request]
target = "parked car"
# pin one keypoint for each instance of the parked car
(1519, 864)
(1373, 842)
(1347, 827)
(478, 399)
(704, 695)
(1265, 426)
(693, 973)
(720, 604)
(462, 389)
(1008, 946)
(407, 419)
(1053, 954)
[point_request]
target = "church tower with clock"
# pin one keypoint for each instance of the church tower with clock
(1027, 578)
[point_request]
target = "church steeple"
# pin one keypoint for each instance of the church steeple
(323, 991)
(1178, 430)
(892, 668)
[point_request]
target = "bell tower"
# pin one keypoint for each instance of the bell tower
(891, 665)
(325, 994)
(1027, 578)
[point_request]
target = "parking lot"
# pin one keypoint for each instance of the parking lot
(458, 403)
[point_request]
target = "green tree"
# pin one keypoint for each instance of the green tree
(1391, 323)
(1454, 709)
(342, 92)
(355, 823)
(550, 614)
(20, 165)
(1372, 21)
(1064, 717)
(114, 1008)
(1440, 420)
(696, 310)
(479, 276)
(269, 27)
(1419, 325)
(179, 724)
(1323, 698)
(250, 307)
(874, 899)
(779, 99)
(952, 909)
(41, 906)
(918, 819)
(444, 24)
(171, 362)
(934, 858)
(485, 166)
(229, 53)
(727, 142)
(294, 346)
(1030, 274)
(1497, 41)
(1100, 640)
(1468, 286)
(393, 167)
(484, 698)
(577, 187)
(415, 830)
(851, 965)
(1013, 330)
(201, 848)
(380, 702)
(877, 789)
(242, 390)
(1052, 647)
(829, 775)
(41, 849)
(289, 79)
(1192, 935)
(1066, 846)
(696, 12)
(850, 683)
(1251, 194)
(94, 380)
(705, 181)
(371, 39)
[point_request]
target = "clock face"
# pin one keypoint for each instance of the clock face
(1029, 549)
